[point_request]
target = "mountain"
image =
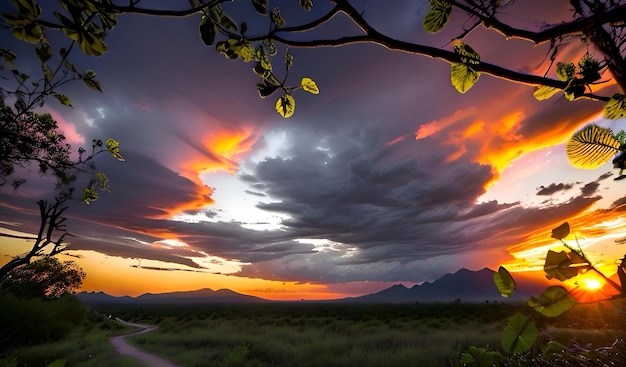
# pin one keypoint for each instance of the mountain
(464, 285)
(190, 297)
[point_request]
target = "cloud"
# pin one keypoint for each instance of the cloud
(553, 188)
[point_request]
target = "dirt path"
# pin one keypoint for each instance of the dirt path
(122, 347)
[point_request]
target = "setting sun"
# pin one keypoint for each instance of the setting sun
(591, 284)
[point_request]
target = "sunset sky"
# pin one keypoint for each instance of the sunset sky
(388, 176)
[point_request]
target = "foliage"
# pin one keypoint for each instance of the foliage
(44, 278)
(28, 321)
(520, 333)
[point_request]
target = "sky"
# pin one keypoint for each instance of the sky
(388, 176)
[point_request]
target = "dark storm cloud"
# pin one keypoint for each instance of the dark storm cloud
(553, 188)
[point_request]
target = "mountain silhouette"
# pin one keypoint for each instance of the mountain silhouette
(464, 286)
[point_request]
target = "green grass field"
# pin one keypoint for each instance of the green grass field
(323, 334)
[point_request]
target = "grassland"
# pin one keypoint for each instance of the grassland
(326, 334)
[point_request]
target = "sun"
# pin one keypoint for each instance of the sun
(592, 284)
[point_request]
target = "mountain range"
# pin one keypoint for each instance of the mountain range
(464, 286)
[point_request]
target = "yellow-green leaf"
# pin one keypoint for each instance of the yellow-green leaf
(544, 92)
(553, 301)
(260, 6)
(285, 106)
(113, 146)
(437, 17)
(306, 4)
(463, 77)
(616, 107)
(309, 85)
(591, 147)
(65, 100)
(504, 282)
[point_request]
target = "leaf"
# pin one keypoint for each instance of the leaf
(58, 363)
(544, 92)
(309, 85)
(277, 19)
(563, 265)
(553, 301)
(113, 146)
(519, 334)
(260, 6)
(615, 107)
(92, 84)
(554, 350)
(591, 147)
(504, 282)
(266, 90)
(564, 71)
(437, 17)
(207, 30)
(463, 77)
(480, 357)
(285, 106)
(467, 53)
(44, 52)
(63, 99)
(561, 231)
(306, 4)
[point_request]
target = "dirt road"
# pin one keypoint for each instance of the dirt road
(122, 347)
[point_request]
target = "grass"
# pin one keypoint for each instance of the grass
(323, 335)
(87, 346)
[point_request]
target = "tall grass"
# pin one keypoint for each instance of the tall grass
(87, 346)
(340, 335)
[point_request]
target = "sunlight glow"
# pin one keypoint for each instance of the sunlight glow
(591, 284)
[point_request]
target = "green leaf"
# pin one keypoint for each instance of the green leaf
(309, 85)
(306, 4)
(207, 30)
(561, 231)
(480, 357)
(285, 106)
(591, 147)
(553, 301)
(519, 334)
(44, 52)
(89, 194)
(544, 92)
(554, 350)
(288, 60)
(261, 6)
(564, 71)
(113, 146)
(504, 282)
(58, 363)
(467, 53)
(463, 77)
(63, 99)
(277, 19)
(266, 90)
(92, 84)
(563, 265)
(437, 17)
(615, 107)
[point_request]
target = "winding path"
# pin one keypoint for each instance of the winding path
(122, 347)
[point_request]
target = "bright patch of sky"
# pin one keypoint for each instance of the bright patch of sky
(234, 201)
